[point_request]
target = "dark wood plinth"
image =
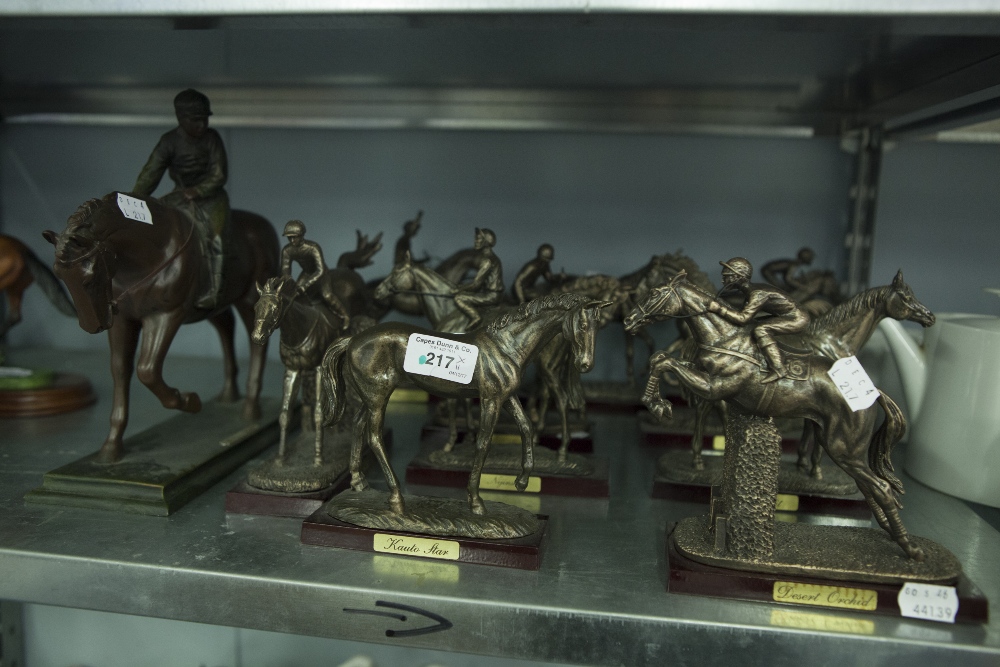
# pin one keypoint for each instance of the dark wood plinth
(580, 442)
(524, 553)
(689, 577)
(422, 471)
(67, 392)
(166, 465)
(680, 434)
(246, 499)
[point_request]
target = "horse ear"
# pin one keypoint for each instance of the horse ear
(406, 257)
(50, 236)
(260, 290)
(898, 280)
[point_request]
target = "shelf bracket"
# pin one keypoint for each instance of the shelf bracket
(860, 241)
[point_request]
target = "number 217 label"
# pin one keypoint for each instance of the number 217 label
(440, 357)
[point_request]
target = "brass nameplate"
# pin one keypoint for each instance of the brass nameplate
(416, 546)
(719, 442)
(409, 396)
(506, 439)
(506, 483)
(527, 502)
(785, 502)
(821, 622)
(858, 599)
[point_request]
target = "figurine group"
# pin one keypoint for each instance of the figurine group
(136, 263)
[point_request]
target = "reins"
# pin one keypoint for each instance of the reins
(167, 262)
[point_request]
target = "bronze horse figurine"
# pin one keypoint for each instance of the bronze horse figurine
(127, 276)
(372, 364)
(729, 367)
(307, 330)
(19, 267)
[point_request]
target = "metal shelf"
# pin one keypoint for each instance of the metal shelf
(598, 599)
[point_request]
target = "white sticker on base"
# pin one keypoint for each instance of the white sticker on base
(929, 602)
(440, 357)
(853, 383)
(134, 209)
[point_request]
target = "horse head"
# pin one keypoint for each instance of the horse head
(902, 305)
(87, 266)
(581, 330)
(657, 303)
(400, 279)
(275, 296)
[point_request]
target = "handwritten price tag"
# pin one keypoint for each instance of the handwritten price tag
(134, 209)
(440, 357)
(853, 383)
(929, 602)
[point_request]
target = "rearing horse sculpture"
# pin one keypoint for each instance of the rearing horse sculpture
(372, 363)
(127, 276)
(729, 367)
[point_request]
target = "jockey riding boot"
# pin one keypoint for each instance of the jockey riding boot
(470, 312)
(773, 355)
(210, 298)
(337, 307)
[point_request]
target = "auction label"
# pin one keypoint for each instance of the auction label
(853, 383)
(506, 483)
(859, 599)
(440, 357)
(134, 209)
(786, 502)
(416, 546)
(803, 621)
(929, 602)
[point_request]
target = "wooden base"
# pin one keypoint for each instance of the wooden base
(595, 485)
(247, 499)
(166, 465)
(848, 507)
(67, 392)
(679, 432)
(523, 553)
(689, 577)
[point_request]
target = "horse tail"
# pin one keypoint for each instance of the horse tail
(888, 434)
(49, 284)
(331, 371)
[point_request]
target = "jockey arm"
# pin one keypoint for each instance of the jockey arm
(217, 174)
(151, 174)
(759, 300)
(480, 278)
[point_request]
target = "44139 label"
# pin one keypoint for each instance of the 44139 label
(440, 357)
(929, 602)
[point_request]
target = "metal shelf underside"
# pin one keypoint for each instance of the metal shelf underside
(598, 599)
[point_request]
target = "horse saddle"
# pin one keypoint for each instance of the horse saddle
(797, 364)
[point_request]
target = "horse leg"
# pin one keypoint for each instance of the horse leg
(225, 324)
(701, 410)
(527, 442)
(375, 425)
(489, 409)
(158, 332)
(451, 404)
(318, 417)
(258, 357)
(647, 338)
(562, 405)
(309, 400)
(123, 338)
(630, 359)
(358, 481)
(840, 443)
(288, 395)
(809, 452)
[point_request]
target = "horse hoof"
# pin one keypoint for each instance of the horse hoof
(360, 484)
(698, 464)
(477, 506)
(521, 483)
(396, 504)
(816, 474)
(108, 454)
(251, 411)
(916, 553)
(190, 402)
(228, 396)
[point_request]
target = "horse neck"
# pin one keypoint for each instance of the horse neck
(708, 328)
(429, 282)
(297, 321)
(526, 337)
(851, 324)
(140, 248)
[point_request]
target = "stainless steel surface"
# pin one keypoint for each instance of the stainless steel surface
(598, 599)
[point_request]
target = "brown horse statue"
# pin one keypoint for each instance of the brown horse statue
(19, 267)
(127, 276)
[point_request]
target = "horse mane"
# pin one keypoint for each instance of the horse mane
(599, 283)
(856, 305)
(79, 225)
(566, 301)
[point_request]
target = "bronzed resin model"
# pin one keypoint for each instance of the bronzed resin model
(374, 362)
(742, 533)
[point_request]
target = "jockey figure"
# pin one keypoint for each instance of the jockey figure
(486, 288)
(788, 318)
(524, 282)
(309, 256)
(196, 158)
